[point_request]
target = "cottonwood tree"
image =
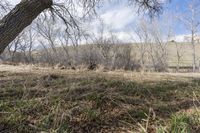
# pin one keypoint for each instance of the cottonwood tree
(64, 42)
(14, 47)
(152, 46)
(22, 15)
(48, 32)
(142, 33)
(179, 54)
(192, 23)
(27, 45)
(160, 50)
(105, 44)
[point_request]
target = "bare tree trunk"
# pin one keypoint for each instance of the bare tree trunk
(19, 18)
(193, 52)
(179, 54)
(199, 65)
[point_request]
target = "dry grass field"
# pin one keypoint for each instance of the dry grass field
(36, 99)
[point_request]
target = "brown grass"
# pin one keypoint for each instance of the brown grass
(36, 99)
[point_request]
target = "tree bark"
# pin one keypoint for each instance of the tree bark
(19, 18)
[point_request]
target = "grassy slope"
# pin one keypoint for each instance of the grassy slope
(185, 49)
(35, 99)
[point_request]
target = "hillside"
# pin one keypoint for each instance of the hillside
(185, 50)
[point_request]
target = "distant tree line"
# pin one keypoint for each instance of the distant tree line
(46, 42)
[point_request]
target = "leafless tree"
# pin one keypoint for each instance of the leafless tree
(179, 54)
(27, 44)
(161, 49)
(48, 32)
(26, 11)
(153, 46)
(142, 33)
(64, 41)
(192, 23)
(45, 55)
(14, 47)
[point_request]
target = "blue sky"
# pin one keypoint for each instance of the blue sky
(120, 18)
(177, 7)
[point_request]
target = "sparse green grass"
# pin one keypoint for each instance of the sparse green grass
(84, 101)
(185, 122)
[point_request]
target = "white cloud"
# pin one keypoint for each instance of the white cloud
(118, 18)
(180, 38)
(14, 2)
(126, 37)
